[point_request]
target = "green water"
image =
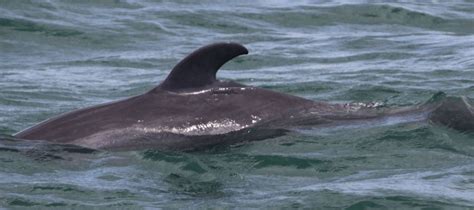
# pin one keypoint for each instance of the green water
(56, 56)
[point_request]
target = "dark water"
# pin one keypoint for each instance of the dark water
(57, 56)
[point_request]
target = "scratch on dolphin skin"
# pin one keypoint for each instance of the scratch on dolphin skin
(215, 90)
(351, 107)
(208, 128)
(195, 92)
(255, 119)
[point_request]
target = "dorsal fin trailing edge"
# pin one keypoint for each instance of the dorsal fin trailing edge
(200, 67)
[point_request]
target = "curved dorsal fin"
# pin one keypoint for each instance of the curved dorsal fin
(200, 67)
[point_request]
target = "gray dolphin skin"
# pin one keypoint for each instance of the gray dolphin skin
(191, 109)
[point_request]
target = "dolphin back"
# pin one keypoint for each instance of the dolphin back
(456, 113)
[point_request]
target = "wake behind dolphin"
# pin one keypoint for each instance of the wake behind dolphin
(191, 109)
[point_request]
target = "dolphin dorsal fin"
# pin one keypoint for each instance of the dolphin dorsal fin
(200, 67)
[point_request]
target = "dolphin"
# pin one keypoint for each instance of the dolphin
(191, 109)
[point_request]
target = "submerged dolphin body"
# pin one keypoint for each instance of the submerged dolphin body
(191, 109)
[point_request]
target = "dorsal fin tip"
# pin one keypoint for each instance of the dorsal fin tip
(199, 68)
